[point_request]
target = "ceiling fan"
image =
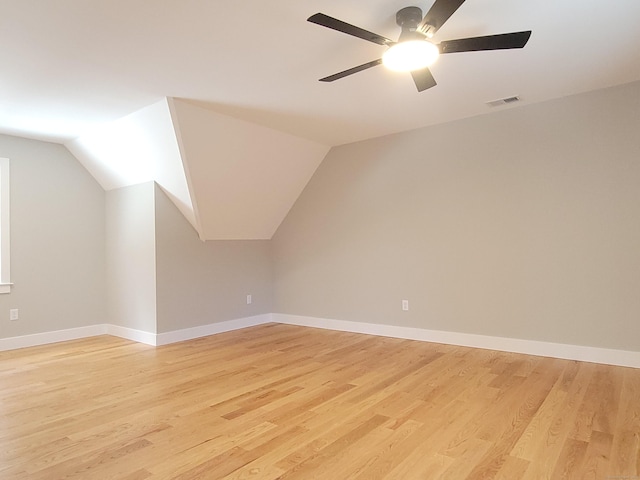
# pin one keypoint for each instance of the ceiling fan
(414, 52)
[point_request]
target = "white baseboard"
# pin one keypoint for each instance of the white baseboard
(165, 338)
(139, 336)
(211, 329)
(153, 339)
(530, 347)
(44, 338)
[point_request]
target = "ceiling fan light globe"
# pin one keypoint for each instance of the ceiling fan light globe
(410, 55)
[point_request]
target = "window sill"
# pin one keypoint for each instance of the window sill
(5, 288)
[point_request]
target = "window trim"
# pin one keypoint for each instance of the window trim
(5, 223)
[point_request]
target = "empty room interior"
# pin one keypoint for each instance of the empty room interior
(245, 240)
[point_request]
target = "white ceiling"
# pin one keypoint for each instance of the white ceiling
(78, 72)
(66, 65)
(230, 178)
(243, 177)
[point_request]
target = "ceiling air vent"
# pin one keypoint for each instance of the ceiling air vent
(503, 101)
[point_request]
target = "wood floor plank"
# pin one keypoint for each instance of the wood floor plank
(544, 444)
(571, 459)
(278, 402)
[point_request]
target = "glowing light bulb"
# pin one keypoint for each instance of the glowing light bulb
(410, 55)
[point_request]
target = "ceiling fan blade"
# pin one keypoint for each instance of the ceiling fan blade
(340, 26)
(437, 15)
(490, 42)
(351, 71)
(423, 79)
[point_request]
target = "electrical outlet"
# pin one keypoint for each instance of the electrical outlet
(13, 314)
(249, 299)
(405, 305)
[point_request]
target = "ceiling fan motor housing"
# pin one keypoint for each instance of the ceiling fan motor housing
(408, 20)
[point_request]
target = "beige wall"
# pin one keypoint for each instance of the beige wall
(57, 241)
(523, 224)
(199, 283)
(130, 253)
(161, 277)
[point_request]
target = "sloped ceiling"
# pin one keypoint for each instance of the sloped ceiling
(231, 179)
(74, 68)
(139, 147)
(244, 178)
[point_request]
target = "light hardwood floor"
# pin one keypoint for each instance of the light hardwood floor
(285, 402)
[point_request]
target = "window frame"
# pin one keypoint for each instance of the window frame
(5, 224)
